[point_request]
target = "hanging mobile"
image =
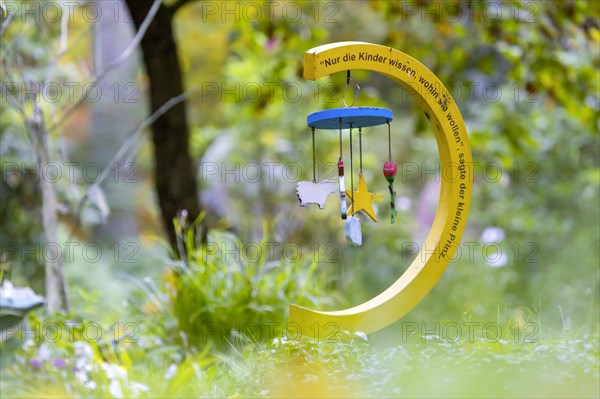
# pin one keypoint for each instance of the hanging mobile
(349, 117)
(450, 220)
(389, 171)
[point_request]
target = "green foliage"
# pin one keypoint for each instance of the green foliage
(222, 291)
(81, 364)
(37, 67)
(560, 367)
(60, 355)
(524, 75)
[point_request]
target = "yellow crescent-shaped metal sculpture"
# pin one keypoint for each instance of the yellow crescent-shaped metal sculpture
(455, 191)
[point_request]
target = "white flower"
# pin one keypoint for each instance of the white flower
(44, 352)
(403, 203)
(83, 349)
(83, 364)
(81, 376)
(114, 372)
(115, 389)
(29, 342)
(171, 371)
(492, 234)
(136, 388)
(499, 260)
(85, 356)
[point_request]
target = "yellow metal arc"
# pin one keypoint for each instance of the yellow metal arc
(455, 191)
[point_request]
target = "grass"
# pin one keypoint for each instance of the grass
(164, 349)
(212, 296)
(347, 367)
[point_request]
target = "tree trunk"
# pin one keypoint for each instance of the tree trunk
(56, 287)
(174, 169)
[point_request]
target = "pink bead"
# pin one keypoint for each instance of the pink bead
(389, 169)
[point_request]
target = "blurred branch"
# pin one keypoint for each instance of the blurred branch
(5, 23)
(14, 102)
(113, 65)
(63, 51)
(125, 153)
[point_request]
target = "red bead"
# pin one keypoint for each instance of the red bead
(341, 168)
(389, 169)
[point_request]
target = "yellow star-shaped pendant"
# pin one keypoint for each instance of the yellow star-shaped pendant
(362, 199)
